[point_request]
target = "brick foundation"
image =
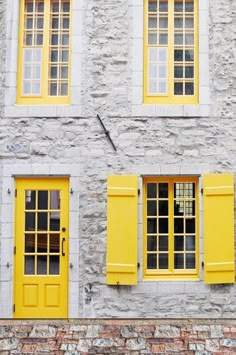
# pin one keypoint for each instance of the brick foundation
(111, 336)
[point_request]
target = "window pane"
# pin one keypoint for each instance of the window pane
(163, 243)
(42, 200)
(152, 22)
(152, 225)
(66, 7)
(152, 6)
(163, 190)
(151, 190)
(179, 39)
(178, 55)
(42, 221)
(54, 200)
(151, 208)
(178, 88)
(189, 72)
(190, 261)
(190, 225)
(54, 265)
(163, 261)
(178, 225)
(163, 38)
(163, 225)
(189, 39)
(189, 23)
(163, 6)
(178, 72)
(178, 208)
(163, 23)
(29, 6)
(190, 243)
(54, 243)
(30, 199)
(189, 55)
(189, 208)
(42, 265)
(179, 243)
(29, 221)
(29, 265)
(179, 261)
(29, 243)
(151, 243)
(163, 208)
(189, 7)
(152, 38)
(151, 261)
(42, 243)
(189, 89)
(178, 6)
(179, 22)
(64, 89)
(55, 221)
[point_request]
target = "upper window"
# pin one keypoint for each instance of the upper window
(171, 51)
(44, 52)
(170, 227)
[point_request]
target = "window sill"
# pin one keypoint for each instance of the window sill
(201, 110)
(42, 111)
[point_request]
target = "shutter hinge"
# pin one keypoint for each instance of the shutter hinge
(14, 308)
(138, 265)
(201, 190)
(139, 192)
(14, 250)
(203, 264)
(15, 192)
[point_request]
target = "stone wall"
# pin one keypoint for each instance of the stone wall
(136, 337)
(145, 145)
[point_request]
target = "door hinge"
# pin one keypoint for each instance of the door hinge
(15, 192)
(14, 250)
(14, 308)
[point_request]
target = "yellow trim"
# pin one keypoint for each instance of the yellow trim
(170, 98)
(171, 273)
(44, 98)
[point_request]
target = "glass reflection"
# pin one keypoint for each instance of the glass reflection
(29, 265)
(30, 198)
(151, 261)
(54, 265)
(42, 265)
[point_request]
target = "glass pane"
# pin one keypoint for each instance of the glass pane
(179, 39)
(66, 7)
(163, 38)
(163, 208)
(37, 72)
(29, 221)
(189, 72)
(162, 87)
(55, 221)
(189, 89)
(162, 54)
(55, 22)
(152, 54)
(29, 6)
(40, 7)
(54, 266)
(190, 243)
(189, 208)
(39, 41)
(65, 39)
(29, 265)
(190, 190)
(29, 23)
(26, 88)
(55, 7)
(190, 261)
(190, 225)
(29, 40)
(64, 72)
(189, 38)
(189, 55)
(53, 89)
(152, 87)
(152, 22)
(162, 71)
(179, 22)
(178, 55)
(163, 190)
(163, 22)
(54, 39)
(40, 23)
(151, 208)
(178, 88)
(151, 243)
(42, 243)
(152, 38)
(178, 225)
(178, 208)
(30, 199)
(64, 89)
(151, 225)
(189, 6)
(54, 56)
(151, 261)
(153, 70)
(151, 190)
(53, 72)
(179, 243)
(163, 261)
(55, 200)
(179, 261)
(65, 56)
(54, 243)
(163, 243)
(163, 6)
(178, 5)
(42, 221)
(163, 225)
(42, 265)
(29, 243)
(36, 88)
(178, 72)
(189, 22)
(42, 200)
(152, 5)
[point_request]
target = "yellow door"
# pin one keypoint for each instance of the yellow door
(41, 248)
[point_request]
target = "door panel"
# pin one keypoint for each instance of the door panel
(41, 240)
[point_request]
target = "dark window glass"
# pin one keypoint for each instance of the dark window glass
(163, 243)
(29, 221)
(42, 265)
(151, 243)
(179, 243)
(151, 190)
(54, 243)
(190, 243)
(151, 208)
(178, 225)
(30, 199)
(55, 221)
(42, 221)
(163, 261)
(163, 190)
(54, 265)
(190, 261)
(163, 208)
(163, 225)
(179, 261)
(178, 88)
(190, 225)
(29, 243)
(152, 261)
(179, 55)
(42, 242)
(29, 265)
(42, 200)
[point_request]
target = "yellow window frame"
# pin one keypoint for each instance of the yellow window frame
(44, 98)
(171, 273)
(170, 98)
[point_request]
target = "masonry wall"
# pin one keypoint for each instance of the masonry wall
(145, 145)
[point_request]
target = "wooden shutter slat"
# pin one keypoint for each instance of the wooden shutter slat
(218, 213)
(122, 229)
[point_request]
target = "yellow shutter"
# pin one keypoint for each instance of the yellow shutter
(122, 230)
(218, 212)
